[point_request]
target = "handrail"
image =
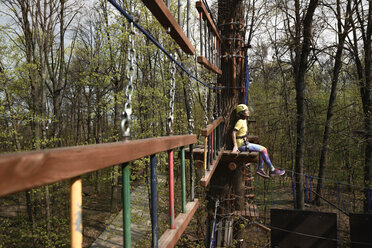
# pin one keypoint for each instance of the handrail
(26, 170)
(206, 131)
(212, 148)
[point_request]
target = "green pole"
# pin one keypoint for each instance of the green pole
(126, 205)
(183, 179)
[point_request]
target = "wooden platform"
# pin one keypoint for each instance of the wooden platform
(249, 211)
(227, 155)
(171, 236)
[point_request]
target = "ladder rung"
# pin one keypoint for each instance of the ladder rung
(250, 196)
(249, 188)
(249, 179)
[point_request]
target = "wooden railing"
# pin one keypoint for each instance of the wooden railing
(27, 170)
(213, 148)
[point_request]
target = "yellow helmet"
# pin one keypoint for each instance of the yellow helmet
(240, 108)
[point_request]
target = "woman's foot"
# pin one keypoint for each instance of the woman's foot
(277, 172)
(261, 173)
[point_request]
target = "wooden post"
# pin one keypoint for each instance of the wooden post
(76, 213)
(171, 190)
(126, 206)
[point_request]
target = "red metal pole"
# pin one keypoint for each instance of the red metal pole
(171, 190)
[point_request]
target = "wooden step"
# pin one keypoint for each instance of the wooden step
(250, 210)
(249, 187)
(249, 179)
(250, 196)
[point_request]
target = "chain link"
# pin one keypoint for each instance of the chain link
(206, 105)
(171, 98)
(127, 114)
(190, 122)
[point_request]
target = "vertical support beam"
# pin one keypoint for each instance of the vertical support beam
(214, 144)
(126, 205)
(294, 190)
(154, 202)
(209, 153)
(205, 153)
(201, 33)
(171, 190)
(183, 179)
(211, 149)
(76, 213)
(192, 184)
(305, 188)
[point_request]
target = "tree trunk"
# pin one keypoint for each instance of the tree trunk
(332, 97)
(300, 102)
(364, 78)
(224, 180)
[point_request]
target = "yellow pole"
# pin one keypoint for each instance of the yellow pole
(205, 152)
(76, 213)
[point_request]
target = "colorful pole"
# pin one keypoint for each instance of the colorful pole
(192, 173)
(183, 179)
(154, 202)
(171, 190)
(76, 224)
(205, 152)
(211, 148)
(126, 206)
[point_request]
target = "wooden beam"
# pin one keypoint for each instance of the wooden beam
(206, 131)
(227, 156)
(203, 61)
(201, 8)
(26, 170)
(208, 174)
(171, 236)
(166, 19)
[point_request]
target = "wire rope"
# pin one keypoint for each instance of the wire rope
(152, 39)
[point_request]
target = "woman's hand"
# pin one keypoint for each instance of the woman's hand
(235, 149)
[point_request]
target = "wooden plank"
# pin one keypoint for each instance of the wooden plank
(207, 64)
(206, 131)
(201, 8)
(166, 19)
(171, 236)
(208, 174)
(240, 157)
(227, 156)
(26, 170)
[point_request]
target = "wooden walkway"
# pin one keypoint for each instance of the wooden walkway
(112, 237)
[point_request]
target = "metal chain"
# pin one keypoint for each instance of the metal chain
(127, 113)
(205, 105)
(171, 98)
(190, 123)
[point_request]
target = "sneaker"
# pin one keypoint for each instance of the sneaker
(277, 172)
(261, 173)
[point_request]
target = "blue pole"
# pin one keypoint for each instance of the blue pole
(271, 184)
(294, 190)
(339, 207)
(154, 202)
(310, 190)
(305, 188)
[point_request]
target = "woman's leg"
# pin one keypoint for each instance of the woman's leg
(263, 157)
